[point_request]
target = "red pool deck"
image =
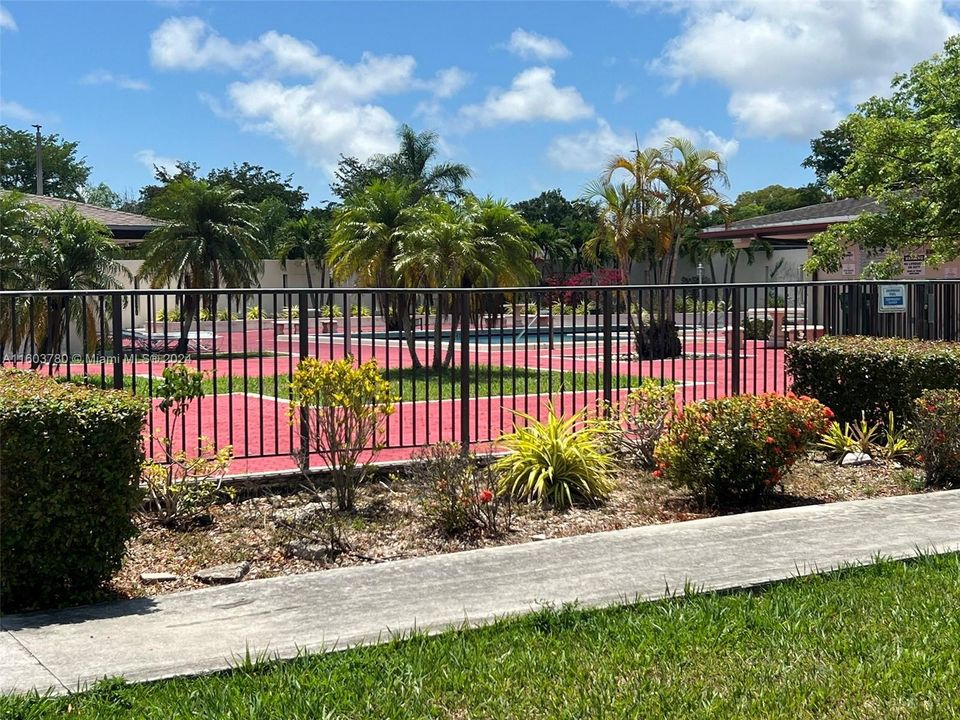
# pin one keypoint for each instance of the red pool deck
(258, 427)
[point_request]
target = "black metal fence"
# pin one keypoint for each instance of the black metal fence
(463, 362)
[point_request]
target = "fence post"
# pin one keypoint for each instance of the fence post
(303, 336)
(607, 350)
(116, 310)
(464, 303)
(735, 339)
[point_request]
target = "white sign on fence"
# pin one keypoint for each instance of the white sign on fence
(893, 298)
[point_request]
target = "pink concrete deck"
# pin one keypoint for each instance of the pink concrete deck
(258, 427)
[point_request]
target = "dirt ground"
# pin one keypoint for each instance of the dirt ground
(390, 523)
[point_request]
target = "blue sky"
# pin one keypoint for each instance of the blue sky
(530, 95)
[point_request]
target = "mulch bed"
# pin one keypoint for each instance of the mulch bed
(390, 523)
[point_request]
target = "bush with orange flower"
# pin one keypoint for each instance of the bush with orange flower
(738, 449)
(937, 431)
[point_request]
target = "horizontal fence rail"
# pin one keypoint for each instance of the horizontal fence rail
(466, 364)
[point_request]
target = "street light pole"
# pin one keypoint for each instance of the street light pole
(39, 160)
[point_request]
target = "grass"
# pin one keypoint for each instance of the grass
(876, 642)
(410, 384)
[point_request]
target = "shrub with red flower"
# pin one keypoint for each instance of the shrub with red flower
(738, 448)
(602, 276)
(937, 428)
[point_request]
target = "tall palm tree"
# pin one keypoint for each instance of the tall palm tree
(15, 224)
(71, 252)
(690, 178)
(16, 237)
(410, 165)
(209, 239)
(303, 238)
(473, 243)
(368, 230)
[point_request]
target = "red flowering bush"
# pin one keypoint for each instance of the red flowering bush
(602, 276)
(937, 428)
(738, 448)
(460, 493)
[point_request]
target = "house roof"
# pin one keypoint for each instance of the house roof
(113, 219)
(796, 224)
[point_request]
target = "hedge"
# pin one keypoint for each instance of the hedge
(70, 462)
(856, 374)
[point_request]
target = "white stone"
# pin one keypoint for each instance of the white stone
(855, 459)
(222, 574)
(149, 578)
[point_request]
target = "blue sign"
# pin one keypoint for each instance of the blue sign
(893, 298)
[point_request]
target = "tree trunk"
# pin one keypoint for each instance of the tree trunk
(441, 306)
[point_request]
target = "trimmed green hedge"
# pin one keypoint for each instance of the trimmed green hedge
(857, 374)
(70, 462)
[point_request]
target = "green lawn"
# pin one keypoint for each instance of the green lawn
(880, 642)
(423, 384)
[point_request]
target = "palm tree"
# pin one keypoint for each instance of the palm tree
(690, 177)
(473, 243)
(16, 236)
(71, 252)
(368, 230)
(303, 238)
(209, 238)
(411, 166)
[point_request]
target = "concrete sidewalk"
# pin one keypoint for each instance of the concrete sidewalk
(205, 630)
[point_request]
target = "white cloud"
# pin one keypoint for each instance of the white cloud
(793, 68)
(531, 45)
(311, 122)
(10, 110)
(668, 127)
(590, 150)
(6, 19)
(449, 82)
(104, 77)
(532, 96)
(188, 43)
(798, 114)
(329, 110)
(622, 92)
(150, 160)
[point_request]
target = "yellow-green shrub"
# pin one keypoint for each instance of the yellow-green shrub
(344, 408)
(557, 462)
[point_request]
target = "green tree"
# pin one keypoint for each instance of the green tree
(64, 174)
(304, 238)
(561, 228)
(690, 178)
(68, 251)
(101, 195)
(16, 216)
(16, 235)
(258, 184)
(413, 165)
(906, 155)
(367, 232)
(470, 243)
(829, 153)
(353, 176)
(209, 239)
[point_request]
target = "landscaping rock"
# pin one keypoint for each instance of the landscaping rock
(151, 578)
(856, 459)
(315, 552)
(541, 536)
(299, 516)
(223, 574)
